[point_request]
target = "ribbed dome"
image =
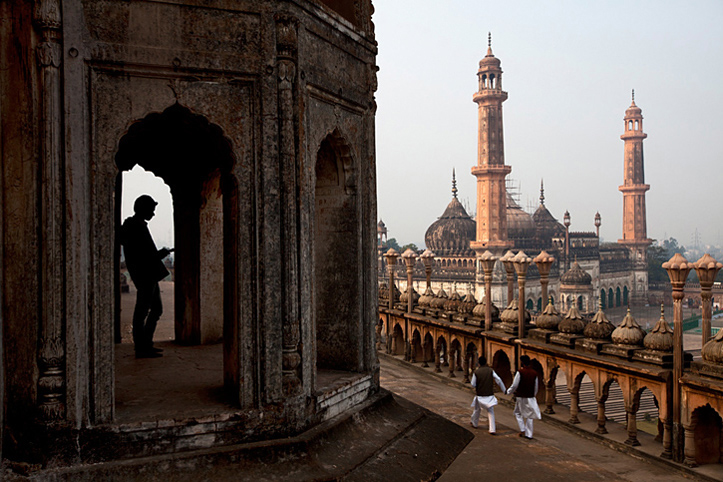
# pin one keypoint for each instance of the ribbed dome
(468, 303)
(550, 318)
(573, 323)
(576, 276)
(519, 223)
(452, 232)
(454, 300)
(713, 350)
(415, 297)
(660, 337)
(633, 110)
(490, 60)
(479, 310)
(600, 327)
(426, 298)
(512, 313)
(629, 332)
(440, 299)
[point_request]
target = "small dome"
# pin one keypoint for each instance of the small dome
(573, 323)
(468, 303)
(440, 298)
(660, 337)
(454, 300)
(415, 297)
(511, 314)
(576, 276)
(600, 327)
(427, 297)
(519, 223)
(628, 332)
(713, 350)
(479, 310)
(550, 318)
(633, 111)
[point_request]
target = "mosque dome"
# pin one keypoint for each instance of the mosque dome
(576, 276)
(712, 351)
(547, 227)
(452, 232)
(629, 332)
(519, 223)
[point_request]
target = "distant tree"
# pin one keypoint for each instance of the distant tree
(411, 246)
(392, 243)
(671, 247)
(657, 255)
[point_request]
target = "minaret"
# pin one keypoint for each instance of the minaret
(490, 169)
(635, 231)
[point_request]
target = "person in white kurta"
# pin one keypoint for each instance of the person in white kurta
(482, 381)
(524, 386)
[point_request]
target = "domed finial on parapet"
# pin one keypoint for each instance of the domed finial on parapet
(542, 192)
(454, 184)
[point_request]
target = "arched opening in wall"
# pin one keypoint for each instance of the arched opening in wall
(484, 81)
(501, 366)
(398, 340)
(630, 125)
(539, 304)
(637, 125)
(428, 348)
(417, 352)
(615, 404)
(442, 355)
(580, 303)
(585, 390)
(618, 301)
(647, 416)
(135, 183)
(603, 299)
(529, 305)
(337, 303)
(471, 357)
(455, 357)
(194, 159)
(492, 81)
(625, 295)
(707, 435)
(611, 298)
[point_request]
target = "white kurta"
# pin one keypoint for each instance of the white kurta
(488, 401)
(527, 407)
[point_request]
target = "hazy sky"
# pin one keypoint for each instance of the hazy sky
(569, 67)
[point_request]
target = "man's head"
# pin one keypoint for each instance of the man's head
(145, 207)
(525, 360)
(482, 361)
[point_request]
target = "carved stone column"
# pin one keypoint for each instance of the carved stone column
(706, 268)
(425, 350)
(690, 446)
(286, 46)
(437, 361)
(678, 268)
(465, 366)
(632, 427)
(667, 440)
(450, 358)
(550, 396)
(51, 359)
(574, 405)
(601, 417)
(522, 263)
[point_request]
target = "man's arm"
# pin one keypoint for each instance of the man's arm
(535, 385)
(498, 381)
(515, 383)
(473, 382)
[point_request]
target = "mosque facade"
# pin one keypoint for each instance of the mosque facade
(588, 272)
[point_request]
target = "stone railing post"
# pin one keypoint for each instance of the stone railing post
(488, 260)
(706, 268)
(678, 268)
(521, 263)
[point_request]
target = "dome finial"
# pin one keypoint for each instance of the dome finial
(542, 192)
(489, 43)
(454, 184)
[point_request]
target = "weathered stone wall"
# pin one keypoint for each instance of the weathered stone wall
(270, 80)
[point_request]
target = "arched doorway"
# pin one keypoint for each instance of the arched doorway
(603, 300)
(617, 297)
(195, 160)
(336, 252)
(625, 295)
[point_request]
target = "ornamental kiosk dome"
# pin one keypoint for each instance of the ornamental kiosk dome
(576, 276)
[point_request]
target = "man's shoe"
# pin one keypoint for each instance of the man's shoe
(148, 354)
(521, 434)
(157, 350)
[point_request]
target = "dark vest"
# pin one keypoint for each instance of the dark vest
(526, 388)
(484, 381)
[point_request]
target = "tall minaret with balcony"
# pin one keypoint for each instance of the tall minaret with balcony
(490, 169)
(635, 231)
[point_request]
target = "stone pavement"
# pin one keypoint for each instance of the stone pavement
(554, 454)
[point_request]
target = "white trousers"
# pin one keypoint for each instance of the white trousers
(525, 424)
(490, 417)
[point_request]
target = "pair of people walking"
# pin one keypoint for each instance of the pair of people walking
(524, 386)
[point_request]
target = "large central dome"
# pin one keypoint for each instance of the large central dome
(451, 234)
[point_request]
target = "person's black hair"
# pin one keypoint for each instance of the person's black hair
(482, 361)
(524, 360)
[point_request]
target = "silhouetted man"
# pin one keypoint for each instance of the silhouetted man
(524, 386)
(145, 265)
